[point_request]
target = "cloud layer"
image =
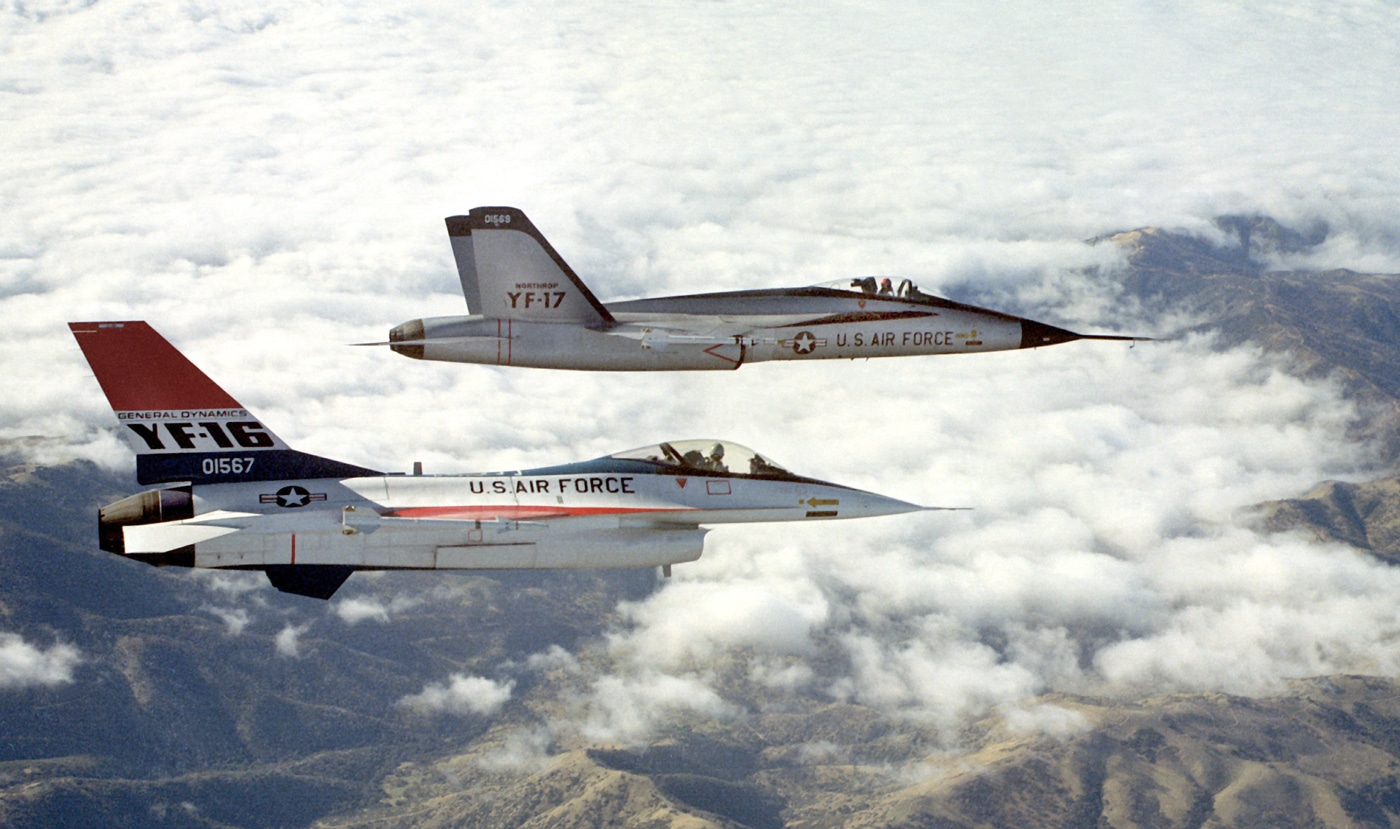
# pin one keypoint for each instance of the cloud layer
(460, 695)
(23, 665)
(266, 181)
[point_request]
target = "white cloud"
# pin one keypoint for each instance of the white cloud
(1048, 719)
(230, 584)
(1101, 556)
(788, 675)
(672, 149)
(819, 752)
(23, 665)
(524, 751)
(462, 695)
(628, 709)
(235, 619)
(554, 658)
(288, 640)
(1254, 612)
(693, 620)
(359, 609)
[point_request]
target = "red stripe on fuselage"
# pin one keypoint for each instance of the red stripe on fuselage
(519, 512)
(140, 371)
(503, 358)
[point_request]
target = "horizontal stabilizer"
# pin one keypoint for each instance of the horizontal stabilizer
(162, 538)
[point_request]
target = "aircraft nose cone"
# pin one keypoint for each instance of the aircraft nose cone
(869, 504)
(1035, 334)
(407, 339)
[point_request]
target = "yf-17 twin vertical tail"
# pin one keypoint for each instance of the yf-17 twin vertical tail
(513, 281)
(510, 271)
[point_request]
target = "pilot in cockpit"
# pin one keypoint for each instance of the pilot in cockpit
(715, 461)
(759, 466)
(909, 290)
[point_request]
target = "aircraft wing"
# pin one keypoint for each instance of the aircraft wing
(706, 331)
(727, 330)
(658, 337)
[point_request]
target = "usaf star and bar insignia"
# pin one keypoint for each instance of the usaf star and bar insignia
(804, 343)
(292, 496)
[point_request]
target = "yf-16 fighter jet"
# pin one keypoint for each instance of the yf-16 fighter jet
(528, 308)
(237, 497)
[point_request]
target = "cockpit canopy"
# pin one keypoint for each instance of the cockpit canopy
(890, 286)
(720, 456)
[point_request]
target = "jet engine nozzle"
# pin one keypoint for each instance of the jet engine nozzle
(407, 339)
(153, 506)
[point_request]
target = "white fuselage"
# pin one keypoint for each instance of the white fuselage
(550, 345)
(725, 331)
(566, 520)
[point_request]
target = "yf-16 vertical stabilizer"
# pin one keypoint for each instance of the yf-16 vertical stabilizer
(183, 426)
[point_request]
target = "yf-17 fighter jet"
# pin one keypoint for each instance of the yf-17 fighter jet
(237, 497)
(528, 308)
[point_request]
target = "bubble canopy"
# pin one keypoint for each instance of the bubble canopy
(894, 287)
(714, 456)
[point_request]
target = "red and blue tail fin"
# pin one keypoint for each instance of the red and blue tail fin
(183, 426)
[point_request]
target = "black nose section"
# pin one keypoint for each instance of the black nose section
(1035, 334)
(407, 339)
